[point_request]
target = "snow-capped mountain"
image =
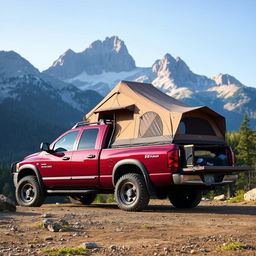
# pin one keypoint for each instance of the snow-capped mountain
(75, 79)
(12, 64)
(99, 67)
(16, 74)
(110, 55)
(105, 81)
(35, 107)
(174, 73)
(104, 63)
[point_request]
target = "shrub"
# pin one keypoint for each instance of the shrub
(66, 251)
(232, 247)
(239, 197)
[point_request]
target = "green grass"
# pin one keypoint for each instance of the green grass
(104, 198)
(238, 198)
(40, 225)
(37, 225)
(147, 227)
(232, 247)
(66, 251)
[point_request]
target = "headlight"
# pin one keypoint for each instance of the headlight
(17, 166)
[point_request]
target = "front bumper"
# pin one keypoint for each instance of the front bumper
(15, 178)
(14, 173)
(186, 179)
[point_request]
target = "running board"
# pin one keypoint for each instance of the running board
(67, 191)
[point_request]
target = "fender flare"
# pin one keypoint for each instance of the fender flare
(35, 170)
(142, 168)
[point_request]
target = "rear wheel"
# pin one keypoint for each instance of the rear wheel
(29, 193)
(131, 192)
(185, 198)
(86, 199)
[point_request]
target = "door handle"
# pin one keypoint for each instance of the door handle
(91, 156)
(65, 158)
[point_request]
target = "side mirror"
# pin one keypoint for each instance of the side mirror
(45, 146)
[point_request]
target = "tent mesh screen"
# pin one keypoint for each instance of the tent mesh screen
(196, 126)
(151, 125)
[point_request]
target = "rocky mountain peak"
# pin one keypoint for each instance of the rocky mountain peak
(181, 65)
(118, 44)
(170, 66)
(109, 44)
(226, 79)
(164, 65)
(168, 57)
(67, 55)
(12, 65)
(69, 52)
(172, 73)
(109, 55)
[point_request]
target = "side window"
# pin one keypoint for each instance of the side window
(66, 143)
(88, 139)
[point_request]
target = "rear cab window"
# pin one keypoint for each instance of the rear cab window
(88, 139)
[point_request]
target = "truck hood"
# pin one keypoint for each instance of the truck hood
(32, 155)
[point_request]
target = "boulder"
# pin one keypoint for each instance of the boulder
(6, 204)
(90, 245)
(54, 227)
(219, 198)
(250, 195)
(47, 222)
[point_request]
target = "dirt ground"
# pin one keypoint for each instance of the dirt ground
(159, 230)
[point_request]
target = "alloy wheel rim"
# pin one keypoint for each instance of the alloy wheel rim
(128, 193)
(27, 193)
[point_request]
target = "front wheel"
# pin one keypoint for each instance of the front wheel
(131, 192)
(185, 198)
(29, 193)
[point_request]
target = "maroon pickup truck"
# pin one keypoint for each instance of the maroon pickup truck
(81, 164)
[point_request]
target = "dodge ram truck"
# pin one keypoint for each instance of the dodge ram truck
(81, 163)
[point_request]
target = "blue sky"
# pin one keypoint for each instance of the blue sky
(212, 36)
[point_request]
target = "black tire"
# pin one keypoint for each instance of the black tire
(28, 192)
(86, 199)
(185, 198)
(131, 192)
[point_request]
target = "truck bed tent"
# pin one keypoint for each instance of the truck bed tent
(146, 116)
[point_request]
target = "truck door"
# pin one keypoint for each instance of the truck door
(55, 168)
(84, 164)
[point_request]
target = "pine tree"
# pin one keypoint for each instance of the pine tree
(232, 139)
(246, 152)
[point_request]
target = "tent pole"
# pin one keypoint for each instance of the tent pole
(113, 131)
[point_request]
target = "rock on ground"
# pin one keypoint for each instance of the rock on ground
(90, 245)
(250, 195)
(6, 204)
(219, 198)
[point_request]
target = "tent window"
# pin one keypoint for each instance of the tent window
(196, 126)
(151, 125)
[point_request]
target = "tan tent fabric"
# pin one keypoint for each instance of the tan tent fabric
(144, 115)
(102, 109)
